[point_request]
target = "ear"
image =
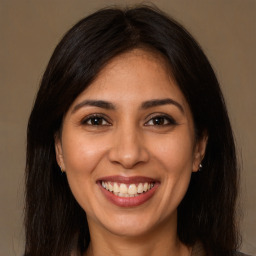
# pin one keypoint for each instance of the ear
(59, 152)
(199, 151)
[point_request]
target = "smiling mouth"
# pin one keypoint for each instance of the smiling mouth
(127, 190)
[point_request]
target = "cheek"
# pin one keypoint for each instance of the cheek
(81, 155)
(175, 157)
(175, 152)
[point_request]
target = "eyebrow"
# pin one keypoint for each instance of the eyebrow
(95, 103)
(145, 105)
(160, 102)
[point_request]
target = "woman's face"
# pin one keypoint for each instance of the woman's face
(128, 146)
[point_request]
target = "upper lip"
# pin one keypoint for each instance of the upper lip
(127, 180)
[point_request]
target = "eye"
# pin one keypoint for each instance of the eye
(161, 120)
(95, 120)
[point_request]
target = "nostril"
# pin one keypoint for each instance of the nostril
(128, 158)
(128, 148)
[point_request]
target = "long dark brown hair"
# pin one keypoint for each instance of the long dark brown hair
(53, 218)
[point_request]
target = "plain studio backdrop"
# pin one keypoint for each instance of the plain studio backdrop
(30, 30)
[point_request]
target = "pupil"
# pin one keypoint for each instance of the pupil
(158, 121)
(96, 121)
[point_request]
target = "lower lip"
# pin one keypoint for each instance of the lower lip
(129, 201)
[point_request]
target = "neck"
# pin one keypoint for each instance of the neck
(162, 240)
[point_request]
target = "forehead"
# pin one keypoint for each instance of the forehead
(136, 62)
(136, 75)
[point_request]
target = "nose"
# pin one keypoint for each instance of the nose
(128, 148)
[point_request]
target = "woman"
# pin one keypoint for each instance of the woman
(130, 149)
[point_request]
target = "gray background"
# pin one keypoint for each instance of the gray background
(29, 31)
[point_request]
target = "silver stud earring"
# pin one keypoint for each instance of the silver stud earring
(200, 167)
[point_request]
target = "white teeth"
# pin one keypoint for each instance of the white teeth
(145, 187)
(116, 188)
(110, 187)
(140, 188)
(132, 190)
(125, 190)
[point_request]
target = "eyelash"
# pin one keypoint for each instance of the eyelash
(95, 116)
(165, 119)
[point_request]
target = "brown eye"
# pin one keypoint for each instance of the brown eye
(95, 121)
(160, 121)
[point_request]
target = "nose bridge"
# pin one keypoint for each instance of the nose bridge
(128, 148)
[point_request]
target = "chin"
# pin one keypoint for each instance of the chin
(129, 230)
(131, 225)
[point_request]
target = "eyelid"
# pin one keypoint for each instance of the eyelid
(171, 120)
(96, 115)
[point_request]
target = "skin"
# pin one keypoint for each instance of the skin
(128, 140)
